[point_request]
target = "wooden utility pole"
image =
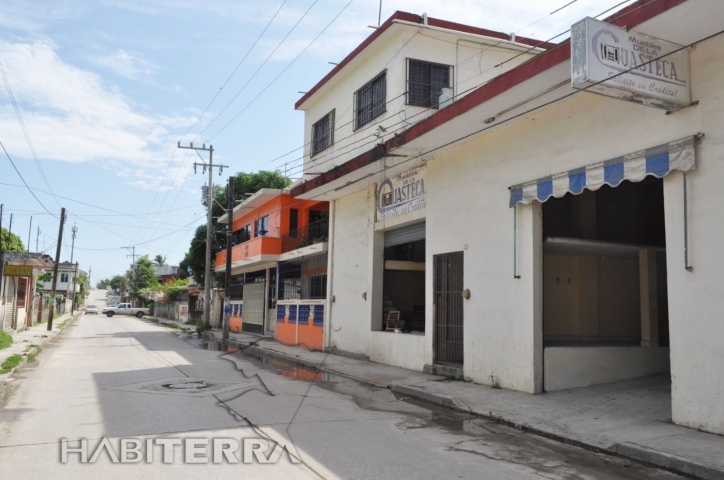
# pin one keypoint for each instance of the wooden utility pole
(209, 233)
(229, 247)
(51, 310)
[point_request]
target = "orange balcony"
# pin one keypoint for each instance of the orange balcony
(250, 249)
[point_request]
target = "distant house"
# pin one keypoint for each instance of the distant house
(166, 273)
(18, 299)
(65, 284)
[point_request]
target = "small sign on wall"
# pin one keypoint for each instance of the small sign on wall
(402, 193)
(630, 65)
(19, 270)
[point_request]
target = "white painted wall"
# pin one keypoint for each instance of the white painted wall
(390, 52)
(571, 367)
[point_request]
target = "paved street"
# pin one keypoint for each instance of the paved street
(113, 377)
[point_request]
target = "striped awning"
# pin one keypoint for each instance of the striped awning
(656, 161)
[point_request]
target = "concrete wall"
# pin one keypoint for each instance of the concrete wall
(467, 209)
(391, 53)
(570, 367)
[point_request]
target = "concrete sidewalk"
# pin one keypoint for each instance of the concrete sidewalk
(631, 419)
(35, 335)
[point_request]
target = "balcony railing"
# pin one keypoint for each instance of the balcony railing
(311, 234)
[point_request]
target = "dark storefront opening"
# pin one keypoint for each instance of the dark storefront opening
(404, 283)
(602, 251)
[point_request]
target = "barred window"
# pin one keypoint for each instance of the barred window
(371, 100)
(323, 133)
(425, 81)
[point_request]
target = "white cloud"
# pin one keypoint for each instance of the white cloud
(125, 64)
(73, 115)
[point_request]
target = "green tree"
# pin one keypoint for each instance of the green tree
(118, 282)
(144, 276)
(159, 260)
(244, 185)
(103, 284)
(10, 241)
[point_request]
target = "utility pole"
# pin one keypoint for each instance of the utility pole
(72, 248)
(229, 246)
(51, 311)
(37, 240)
(2, 254)
(30, 229)
(75, 290)
(133, 267)
(209, 234)
(10, 232)
(90, 270)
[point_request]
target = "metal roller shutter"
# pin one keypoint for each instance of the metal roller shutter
(410, 233)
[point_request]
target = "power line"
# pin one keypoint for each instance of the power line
(26, 183)
(257, 71)
(25, 131)
(237, 67)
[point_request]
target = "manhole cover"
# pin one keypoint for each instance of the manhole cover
(186, 385)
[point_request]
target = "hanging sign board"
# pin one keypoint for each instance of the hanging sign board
(402, 193)
(19, 270)
(630, 66)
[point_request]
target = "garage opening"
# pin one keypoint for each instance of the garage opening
(404, 280)
(605, 303)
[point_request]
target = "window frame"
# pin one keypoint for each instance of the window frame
(293, 222)
(261, 221)
(451, 77)
(329, 116)
(240, 237)
(66, 276)
(357, 124)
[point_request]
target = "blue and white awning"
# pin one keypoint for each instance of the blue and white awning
(656, 161)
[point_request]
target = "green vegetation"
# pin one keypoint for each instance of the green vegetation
(10, 241)
(159, 261)
(11, 362)
(244, 184)
(31, 357)
(5, 340)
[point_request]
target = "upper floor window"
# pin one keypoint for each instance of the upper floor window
(243, 235)
(323, 133)
(261, 226)
(293, 222)
(425, 81)
(64, 277)
(371, 100)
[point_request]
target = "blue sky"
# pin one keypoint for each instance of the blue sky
(106, 89)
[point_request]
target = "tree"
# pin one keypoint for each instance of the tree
(244, 184)
(10, 242)
(159, 261)
(103, 284)
(118, 282)
(144, 276)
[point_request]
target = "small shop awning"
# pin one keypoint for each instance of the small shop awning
(656, 161)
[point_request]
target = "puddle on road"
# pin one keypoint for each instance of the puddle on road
(472, 435)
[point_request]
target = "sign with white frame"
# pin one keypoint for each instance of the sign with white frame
(401, 194)
(629, 65)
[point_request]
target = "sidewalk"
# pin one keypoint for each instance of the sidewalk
(35, 335)
(631, 418)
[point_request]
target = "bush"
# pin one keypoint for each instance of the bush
(5, 340)
(12, 362)
(201, 328)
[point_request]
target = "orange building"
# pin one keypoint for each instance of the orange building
(278, 267)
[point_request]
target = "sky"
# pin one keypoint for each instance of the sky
(106, 88)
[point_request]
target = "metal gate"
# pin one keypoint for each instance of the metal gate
(448, 308)
(9, 314)
(253, 316)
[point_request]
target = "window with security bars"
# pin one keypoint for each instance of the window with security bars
(371, 100)
(323, 133)
(425, 81)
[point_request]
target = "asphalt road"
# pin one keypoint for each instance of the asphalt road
(136, 383)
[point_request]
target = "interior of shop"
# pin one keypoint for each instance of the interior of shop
(404, 287)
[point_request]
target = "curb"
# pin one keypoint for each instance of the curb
(669, 461)
(629, 451)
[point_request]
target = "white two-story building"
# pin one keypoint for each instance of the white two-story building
(489, 219)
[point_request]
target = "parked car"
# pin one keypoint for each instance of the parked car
(125, 309)
(91, 309)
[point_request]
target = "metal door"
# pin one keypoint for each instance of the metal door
(448, 308)
(254, 306)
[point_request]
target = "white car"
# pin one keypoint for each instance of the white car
(91, 309)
